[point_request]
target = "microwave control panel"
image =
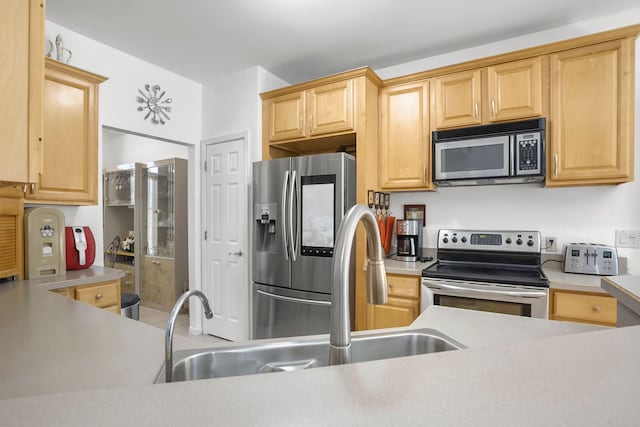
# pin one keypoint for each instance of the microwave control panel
(528, 154)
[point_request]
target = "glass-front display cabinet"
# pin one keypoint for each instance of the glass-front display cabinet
(122, 200)
(164, 233)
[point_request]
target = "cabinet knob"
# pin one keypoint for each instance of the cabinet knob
(596, 308)
(98, 296)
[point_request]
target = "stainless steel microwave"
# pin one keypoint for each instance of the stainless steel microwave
(502, 153)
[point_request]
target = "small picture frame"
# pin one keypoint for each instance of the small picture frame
(415, 212)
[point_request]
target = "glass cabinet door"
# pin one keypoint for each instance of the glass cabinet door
(160, 213)
(119, 188)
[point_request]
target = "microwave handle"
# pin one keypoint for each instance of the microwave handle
(514, 155)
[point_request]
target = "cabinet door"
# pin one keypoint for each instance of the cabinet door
(22, 40)
(11, 237)
(158, 288)
(70, 149)
(395, 313)
(330, 108)
(405, 149)
(286, 116)
(592, 103)
(455, 99)
(514, 90)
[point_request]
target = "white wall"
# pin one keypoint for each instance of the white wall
(118, 109)
(576, 214)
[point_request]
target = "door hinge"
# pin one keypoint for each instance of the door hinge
(205, 166)
(205, 235)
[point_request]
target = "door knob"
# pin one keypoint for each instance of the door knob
(239, 253)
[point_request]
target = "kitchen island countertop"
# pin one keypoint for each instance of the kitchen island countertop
(515, 371)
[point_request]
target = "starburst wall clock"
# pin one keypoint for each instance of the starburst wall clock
(154, 103)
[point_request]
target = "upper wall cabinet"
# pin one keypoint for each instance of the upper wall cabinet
(507, 91)
(22, 41)
(317, 111)
(592, 106)
(70, 150)
(405, 149)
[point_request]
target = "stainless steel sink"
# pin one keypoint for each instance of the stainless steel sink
(300, 353)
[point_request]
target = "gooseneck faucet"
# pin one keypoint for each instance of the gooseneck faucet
(340, 335)
(168, 339)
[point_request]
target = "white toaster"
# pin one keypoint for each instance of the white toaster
(591, 258)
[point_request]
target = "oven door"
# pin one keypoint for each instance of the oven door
(497, 298)
(472, 158)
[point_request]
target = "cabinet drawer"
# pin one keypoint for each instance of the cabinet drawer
(102, 295)
(403, 286)
(395, 313)
(583, 307)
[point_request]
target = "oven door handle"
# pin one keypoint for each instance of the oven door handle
(520, 294)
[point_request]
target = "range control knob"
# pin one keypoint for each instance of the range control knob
(529, 242)
(454, 240)
(508, 241)
(463, 240)
(519, 242)
(445, 240)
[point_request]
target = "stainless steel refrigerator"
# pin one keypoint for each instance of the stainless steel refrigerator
(298, 205)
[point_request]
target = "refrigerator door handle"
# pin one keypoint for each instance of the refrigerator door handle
(291, 299)
(283, 217)
(294, 239)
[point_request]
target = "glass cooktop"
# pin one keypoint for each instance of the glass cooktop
(526, 275)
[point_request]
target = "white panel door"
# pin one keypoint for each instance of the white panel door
(226, 254)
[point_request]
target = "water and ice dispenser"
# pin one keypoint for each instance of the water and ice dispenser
(265, 220)
(44, 243)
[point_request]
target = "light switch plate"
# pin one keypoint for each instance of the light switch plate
(627, 238)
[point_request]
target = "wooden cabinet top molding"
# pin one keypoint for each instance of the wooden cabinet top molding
(619, 33)
(358, 72)
(74, 71)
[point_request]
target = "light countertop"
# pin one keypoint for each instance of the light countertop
(626, 289)
(67, 363)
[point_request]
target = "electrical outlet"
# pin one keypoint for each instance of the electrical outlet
(627, 239)
(551, 244)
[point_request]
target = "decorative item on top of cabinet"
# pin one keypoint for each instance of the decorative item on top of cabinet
(405, 148)
(592, 115)
(21, 80)
(506, 91)
(584, 307)
(70, 149)
(402, 307)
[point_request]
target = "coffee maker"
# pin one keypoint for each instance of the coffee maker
(409, 239)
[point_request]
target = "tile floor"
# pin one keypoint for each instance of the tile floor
(159, 318)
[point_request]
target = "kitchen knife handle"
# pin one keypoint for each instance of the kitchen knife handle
(283, 216)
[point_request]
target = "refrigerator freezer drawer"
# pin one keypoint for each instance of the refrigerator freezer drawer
(284, 312)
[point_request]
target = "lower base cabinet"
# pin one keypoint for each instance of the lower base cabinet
(402, 307)
(105, 295)
(583, 307)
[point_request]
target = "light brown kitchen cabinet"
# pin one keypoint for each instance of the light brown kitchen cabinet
(11, 237)
(104, 295)
(403, 304)
(506, 91)
(321, 110)
(405, 147)
(584, 307)
(592, 110)
(455, 99)
(70, 150)
(21, 82)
